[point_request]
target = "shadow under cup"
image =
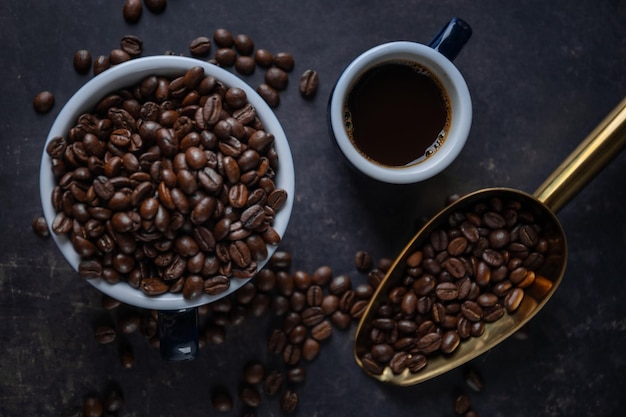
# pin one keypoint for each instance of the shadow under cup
(401, 112)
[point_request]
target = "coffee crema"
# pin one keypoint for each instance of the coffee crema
(397, 114)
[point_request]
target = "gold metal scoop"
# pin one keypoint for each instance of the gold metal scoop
(595, 152)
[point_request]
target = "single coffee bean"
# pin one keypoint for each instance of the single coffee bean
(276, 78)
(462, 404)
(101, 64)
(272, 383)
(263, 58)
(245, 64)
(310, 349)
(40, 226)
(200, 46)
(221, 399)
(156, 6)
(92, 406)
(284, 61)
(243, 44)
(250, 396)
(309, 81)
(104, 334)
(82, 61)
(132, 45)
(226, 57)
(289, 401)
(117, 56)
(223, 38)
(132, 10)
(474, 380)
(43, 102)
(269, 94)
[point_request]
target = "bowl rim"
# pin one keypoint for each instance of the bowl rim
(447, 73)
(125, 75)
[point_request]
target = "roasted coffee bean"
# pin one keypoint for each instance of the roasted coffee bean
(82, 61)
(40, 226)
(284, 61)
(156, 6)
(226, 57)
(245, 65)
(263, 58)
(132, 45)
(462, 404)
(276, 78)
(92, 406)
(200, 46)
(243, 44)
(309, 81)
(289, 401)
(100, 64)
(340, 284)
(269, 94)
(117, 56)
(132, 10)
(322, 331)
(250, 396)
(43, 102)
(474, 380)
(221, 399)
(310, 349)
(105, 334)
(272, 383)
(223, 38)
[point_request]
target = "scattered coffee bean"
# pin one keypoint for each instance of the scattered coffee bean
(82, 61)
(284, 61)
(221, 399)
(132, 10)
(105, 335)
(269, 94)
(226, 57)
(276, 78)
(223, 38)
(43, 102)
(156, 6)
(40, 226)
(289, 401)
(245, 65)
(132, 45)
(462, 404)
(92, 406)
(263, 58)
(308, 83)
(243, 44)
(200, 46)
(101, 64)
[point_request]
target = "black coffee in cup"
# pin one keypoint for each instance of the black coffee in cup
(397, 114)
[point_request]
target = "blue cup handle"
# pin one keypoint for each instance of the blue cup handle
(451, 38)
(178, 334)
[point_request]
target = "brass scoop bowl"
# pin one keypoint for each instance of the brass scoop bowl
(595, 152)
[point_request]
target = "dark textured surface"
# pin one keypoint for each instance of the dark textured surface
(542, 75)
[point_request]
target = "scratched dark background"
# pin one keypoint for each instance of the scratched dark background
(541, 74)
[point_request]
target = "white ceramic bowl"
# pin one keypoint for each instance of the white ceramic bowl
(125, 75)
(452, 81)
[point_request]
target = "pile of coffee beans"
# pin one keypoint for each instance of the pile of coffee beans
(169, 186)
(471, 271)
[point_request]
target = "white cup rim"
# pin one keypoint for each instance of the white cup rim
(456, 88)
(124, 75)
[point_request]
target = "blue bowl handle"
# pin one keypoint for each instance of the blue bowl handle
(178, 334)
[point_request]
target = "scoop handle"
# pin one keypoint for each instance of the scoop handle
(594, 153)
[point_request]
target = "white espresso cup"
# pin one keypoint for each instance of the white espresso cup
(361, 121)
